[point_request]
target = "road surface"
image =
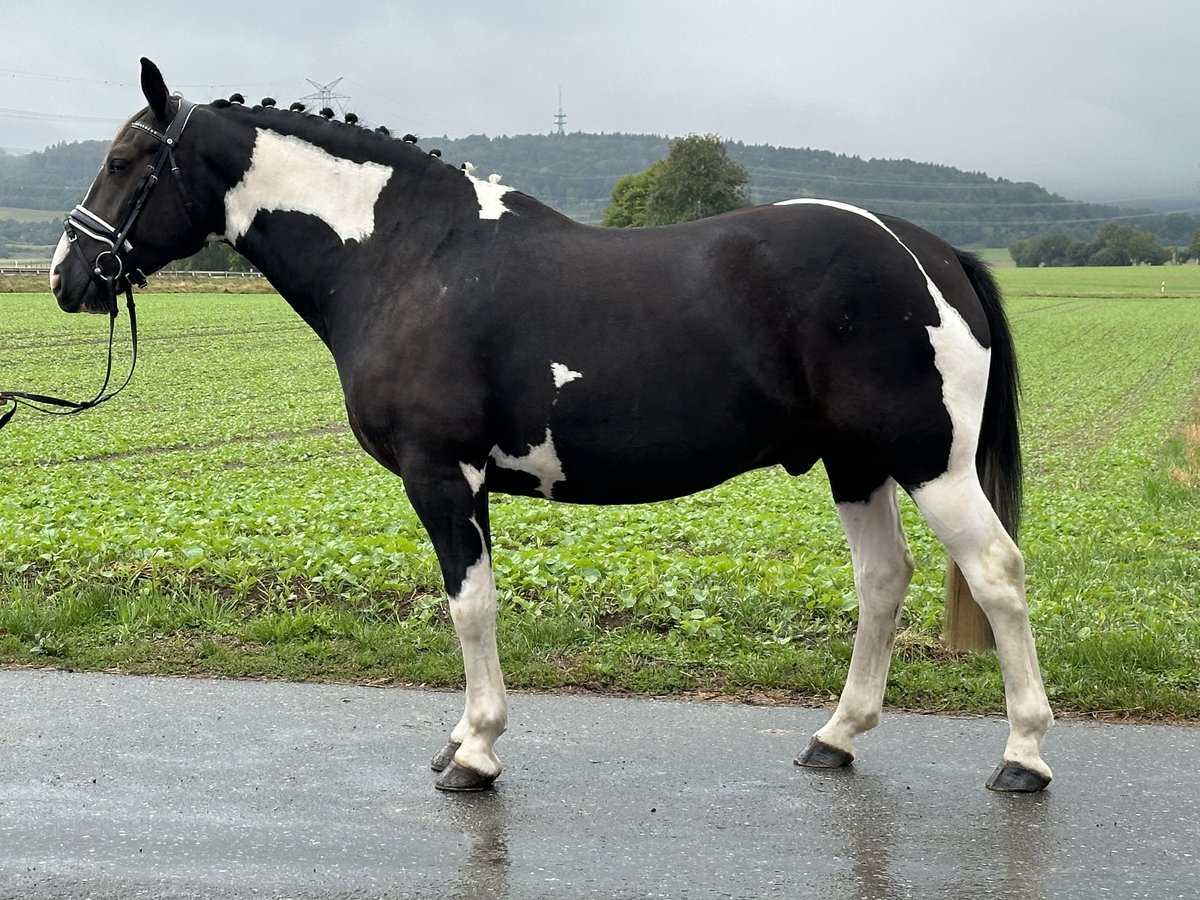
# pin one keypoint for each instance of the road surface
(123, 787)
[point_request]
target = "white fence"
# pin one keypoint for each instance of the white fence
(19, 267)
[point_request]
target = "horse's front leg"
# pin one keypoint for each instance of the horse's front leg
(452, 505)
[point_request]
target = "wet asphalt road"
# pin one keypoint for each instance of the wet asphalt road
(143, 787)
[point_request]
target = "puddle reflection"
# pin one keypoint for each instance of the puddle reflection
(482, 819)
(996, 844)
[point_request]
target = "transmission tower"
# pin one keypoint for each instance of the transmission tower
(325, 97)
(560, 117)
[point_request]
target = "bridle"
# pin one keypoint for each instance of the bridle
(110, 270)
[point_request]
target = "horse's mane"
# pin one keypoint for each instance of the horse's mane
(342, 137)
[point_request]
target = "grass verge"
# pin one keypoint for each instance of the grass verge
(209, 524)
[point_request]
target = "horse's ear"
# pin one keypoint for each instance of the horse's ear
(154, 88)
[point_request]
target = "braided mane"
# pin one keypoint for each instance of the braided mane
(297, 120)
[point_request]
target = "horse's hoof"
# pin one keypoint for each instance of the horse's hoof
(444, 757)
(1014, 779)
(819, 755)
(456, 778)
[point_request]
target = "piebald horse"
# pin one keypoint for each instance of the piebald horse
(487, 343)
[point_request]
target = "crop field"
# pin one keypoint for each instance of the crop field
(218, 517)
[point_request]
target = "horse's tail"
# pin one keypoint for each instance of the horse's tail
(998, 458)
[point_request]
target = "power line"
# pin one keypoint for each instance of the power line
(1046, 222)
(1045, 204)
(68, 79)
(419, 114)
(799, 178)
(76, 79)
(791, 173)
(51, 117)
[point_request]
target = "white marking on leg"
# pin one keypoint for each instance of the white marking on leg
(485, 716)
(883, 567)
(563, 374)
(289, 174)
(961, 516)
(475, 477)
(541, 461)
(489, 194)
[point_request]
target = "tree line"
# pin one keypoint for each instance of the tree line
(16, 236)
(576, 174)
(1115, 244)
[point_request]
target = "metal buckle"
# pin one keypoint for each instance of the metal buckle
(99, 269)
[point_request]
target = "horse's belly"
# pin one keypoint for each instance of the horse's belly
(628, 473)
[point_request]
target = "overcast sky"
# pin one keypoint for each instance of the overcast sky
(1094, 100)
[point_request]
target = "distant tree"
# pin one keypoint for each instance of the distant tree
(214, 257)
(1048, 250)
(696, 180)
(1146, 249)
(1191, 251)
(1172, 229)
(1121, 245)
(34, 233)
(630, 196)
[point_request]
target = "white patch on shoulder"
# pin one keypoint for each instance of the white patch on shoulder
(562, 374)
(489, 194)
(291, 175)
(541, 461)
(960, 359)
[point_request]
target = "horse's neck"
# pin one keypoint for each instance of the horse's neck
(295, 275)
(347, 208)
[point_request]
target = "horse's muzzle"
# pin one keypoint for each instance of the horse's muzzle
(88, 300)
(74, 290)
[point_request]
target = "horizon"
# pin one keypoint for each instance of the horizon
(1080, 98)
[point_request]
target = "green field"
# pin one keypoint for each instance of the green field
(219, 518)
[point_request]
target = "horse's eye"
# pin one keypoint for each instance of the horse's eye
(116, 166)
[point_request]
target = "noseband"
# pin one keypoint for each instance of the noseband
(110, 269)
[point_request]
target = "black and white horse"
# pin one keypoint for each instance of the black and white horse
(486, 343)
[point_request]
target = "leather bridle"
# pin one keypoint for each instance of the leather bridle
(110, 270)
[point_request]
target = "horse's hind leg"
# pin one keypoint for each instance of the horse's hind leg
(882, 569)
(961, 516)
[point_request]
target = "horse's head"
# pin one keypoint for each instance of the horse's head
(138, 214)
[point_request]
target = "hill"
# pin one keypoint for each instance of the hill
(575, 173)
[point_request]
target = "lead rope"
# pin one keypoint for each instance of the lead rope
(42, 402)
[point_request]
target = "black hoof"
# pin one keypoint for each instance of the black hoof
(819, 755)
(1014, 779)
(444, 757)
(458, 779)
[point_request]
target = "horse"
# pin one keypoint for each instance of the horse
(486, 343)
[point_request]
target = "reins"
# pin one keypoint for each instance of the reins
(109, 269)
(43, 403)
